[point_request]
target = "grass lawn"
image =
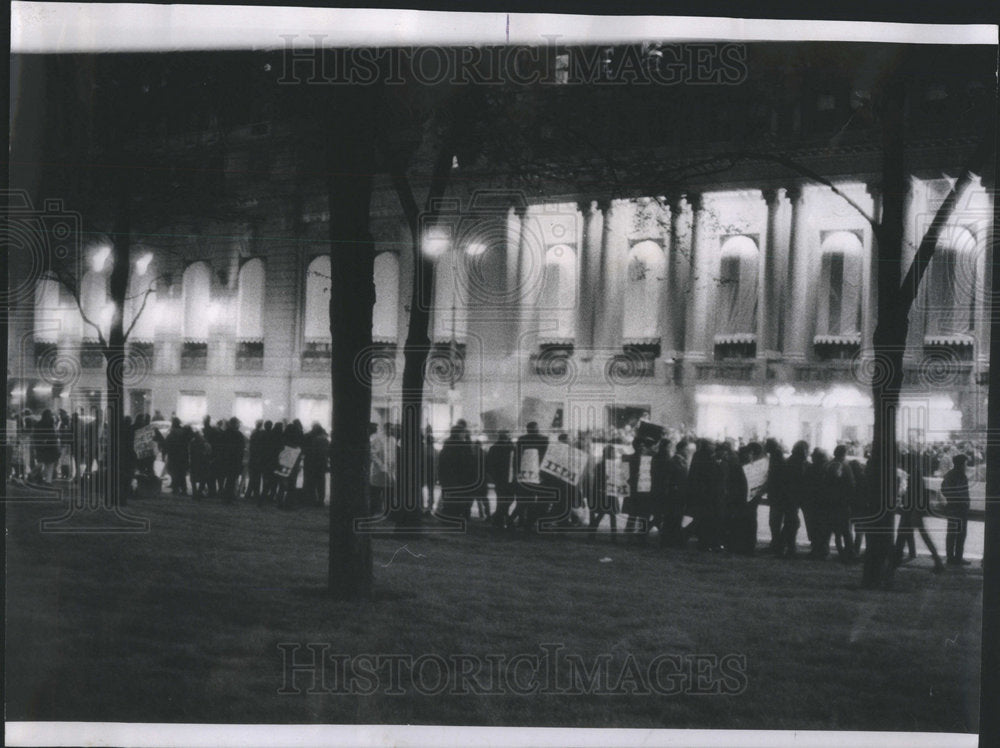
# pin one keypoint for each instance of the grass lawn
(183, 623)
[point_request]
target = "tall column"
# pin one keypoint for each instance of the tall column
(590, 247)
(530, 275)
(614, 256)
(513, 290)
(679, 271)
(776, 250)
(697, 336)
(797, 330)
(915, 222)
(869, 285)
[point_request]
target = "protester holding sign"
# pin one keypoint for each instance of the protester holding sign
(500, 470)
(608, 484)
(640, 503)
(531, 448)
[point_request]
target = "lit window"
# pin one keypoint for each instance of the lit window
(248, 407)
(737, 307)
(47, 316)
(384, 319)
(646, 270)
(144, 328)
(313, 409)
(317, 311)
(197, 297)
(94, 300)
(950, 286)
(250, 306)
(450, 322)
(192, 407)
(838, 315)
(557, 305)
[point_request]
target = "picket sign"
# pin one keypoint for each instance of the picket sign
(528, 468)
(565, 463)
(644, 480)
(144, 444)
(756, 474)
(616, 476)
(287, 459)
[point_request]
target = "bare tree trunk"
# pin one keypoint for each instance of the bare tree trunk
(352, 297)
(412, 463)
(114, 349)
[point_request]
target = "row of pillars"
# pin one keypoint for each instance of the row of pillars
(788, 239)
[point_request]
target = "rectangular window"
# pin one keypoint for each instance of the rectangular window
(313, 409)
(91, 356)
(248, 407)
(192, 407)
(250, 356)
(316, 357)
(194, 357)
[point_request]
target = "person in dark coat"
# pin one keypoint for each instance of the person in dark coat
(839, 496)
(796, 479)
(705, 491)
(500, 470)
(675, 494)
(814, 506)
(428, 475)
(200, 456)
(914, 505)
(258, 442)
(859, 505)
(602, 500)
(457, 473)
(741, 509)
(230, 465)
(315, 465)
(213, 437)
(531, 495)
(480, 488)
(272, 449)
(639, 504)
(176, 448)
(662, 453)
(775, 489)
(955, 490)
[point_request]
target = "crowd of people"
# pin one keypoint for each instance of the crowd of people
(687, 488)
(216, 459)
(681, 487)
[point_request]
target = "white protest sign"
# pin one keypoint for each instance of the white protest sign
(144, 444)
(756, 474)
(286, 461)
(616, 475)
(528, 469)
(644, 480)
(565, 463)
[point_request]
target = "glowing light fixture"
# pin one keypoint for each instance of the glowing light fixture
(100, 258)
(142, 264)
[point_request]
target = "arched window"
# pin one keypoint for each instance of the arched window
(47, 314)
(317, 322)
(141, 279)
(951, 285)
(838, 312)
(557, 304)
(250, 302)
(95, 303)
(450, 322)
(197, 296)
(737, 307)
(384, 316)
(646, 271)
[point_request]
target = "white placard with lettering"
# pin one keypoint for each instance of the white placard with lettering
(528, 469)
(565, 463)
(616, 475)
(644, 481)
(756, 474)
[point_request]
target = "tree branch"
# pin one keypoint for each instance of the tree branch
(928, 244)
